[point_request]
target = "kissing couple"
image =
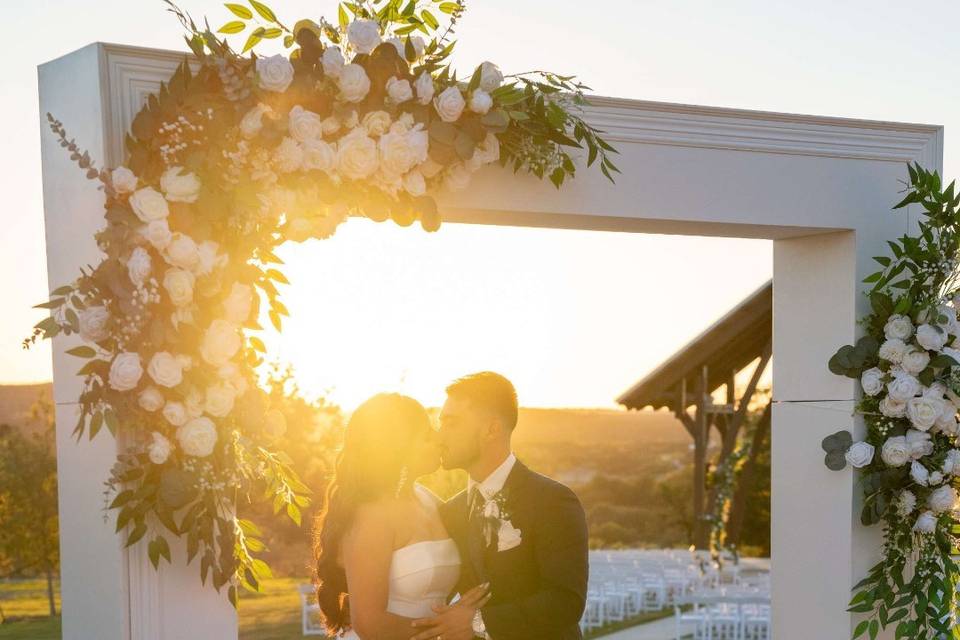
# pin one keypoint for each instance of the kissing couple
(506, 559)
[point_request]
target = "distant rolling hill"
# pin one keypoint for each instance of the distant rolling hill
(16, 401)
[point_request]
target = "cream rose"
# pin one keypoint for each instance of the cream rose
(94, 323)
(892, 408)
(872, 381)
(123, 180)
(157, 233)
(480, 101)
(898, 327)
(252, 121)
(220, 342)
(304, 125)
(150, 399)
(209, 258)
(175, 413)
(915, 360)
(138, 266)
(923, 412)
(860, 454)
(895, 452)
(182, 252)
(179, 186)
(357, 155)
(219, 400)
(903, 387)
(179, 286)
(331, 124)
(918, 443)
(165, 369)
(238, 304)
(400, 152)
(159, 448)
(275, 73)
(198, 437)
(931, 337)
(353, 82)
(490, 76)
(193, 404)
(332, 61)
(449, 104)
(488, 150)
(149, 204)
(318, 156)
(376, 123)
(125, 371)
(424, 88)
(363, 35)
(399, 90)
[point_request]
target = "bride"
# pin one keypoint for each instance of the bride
(383, 556)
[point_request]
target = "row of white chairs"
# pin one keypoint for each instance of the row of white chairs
(742, 614)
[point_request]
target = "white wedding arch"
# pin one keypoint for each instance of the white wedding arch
(821, 188)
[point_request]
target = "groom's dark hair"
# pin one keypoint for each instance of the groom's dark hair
(491, 391)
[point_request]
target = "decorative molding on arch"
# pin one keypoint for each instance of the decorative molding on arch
(130, 74)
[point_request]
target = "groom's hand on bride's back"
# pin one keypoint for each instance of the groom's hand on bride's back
(453, 621)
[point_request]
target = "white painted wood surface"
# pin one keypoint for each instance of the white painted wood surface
(820, 187)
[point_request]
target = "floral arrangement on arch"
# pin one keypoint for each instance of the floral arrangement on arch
(908, 365)
(236, 154)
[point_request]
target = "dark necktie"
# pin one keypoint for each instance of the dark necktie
(475, 537)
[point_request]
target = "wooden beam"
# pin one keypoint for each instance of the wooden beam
(700, 532)
(738, 504)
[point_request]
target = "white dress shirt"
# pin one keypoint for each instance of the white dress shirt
(494, 482)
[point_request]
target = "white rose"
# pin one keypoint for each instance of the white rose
(274, 424)
(318, 156)
(935, 479)
(480, 101)
(931, 337)
(491, 509)
(193, 404)
(304, 125)
(860, 454)
(947, 421)
(363, 35)
(872, 381)
(414, 184)
(950, 323)
(182, 252)
(289, 155)
(398, 90)
(923, 412)
(165, 369)
(508, 536)
(149, 204)
(353, 82)
(330, 125)
(209, 258)
(125, 371)
(220, 342)
(123, 180)
(357, 155)
(159, 449)
(951, 464)
(376, 123)
(906, 503)
(239, 303)
(180, 187)
(903, 387)
(488, 150)
(400, 152)
(926, 523)
(179, 286)
(893, 350)
(919, 473)
(198, 437)
(430, 168)
(252, 121)
(275, 73)
(157, 233)
(490, 76)
(219, 400)
(915, 360)
(94, 324)
(138, 266)
(895, 452)
(942, 499)
(892, 408)
(898, 327)
(449, 104)
(424, 88)
(175, 413)
(150, 399)
(457, 177)
(919, 443)
(332, 61)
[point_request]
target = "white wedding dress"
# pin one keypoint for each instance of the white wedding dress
(422, 574)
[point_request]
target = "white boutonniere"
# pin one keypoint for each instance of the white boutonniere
(497, 518)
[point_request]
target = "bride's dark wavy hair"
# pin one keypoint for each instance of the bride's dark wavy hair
(377, 443)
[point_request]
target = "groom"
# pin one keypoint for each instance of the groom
(522, 533)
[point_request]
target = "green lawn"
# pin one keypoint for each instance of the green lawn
(272, 614)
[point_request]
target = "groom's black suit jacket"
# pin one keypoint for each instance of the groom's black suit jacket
(540, 586)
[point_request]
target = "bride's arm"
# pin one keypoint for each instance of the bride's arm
(367, 554)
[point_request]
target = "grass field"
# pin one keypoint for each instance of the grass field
(272, 614)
